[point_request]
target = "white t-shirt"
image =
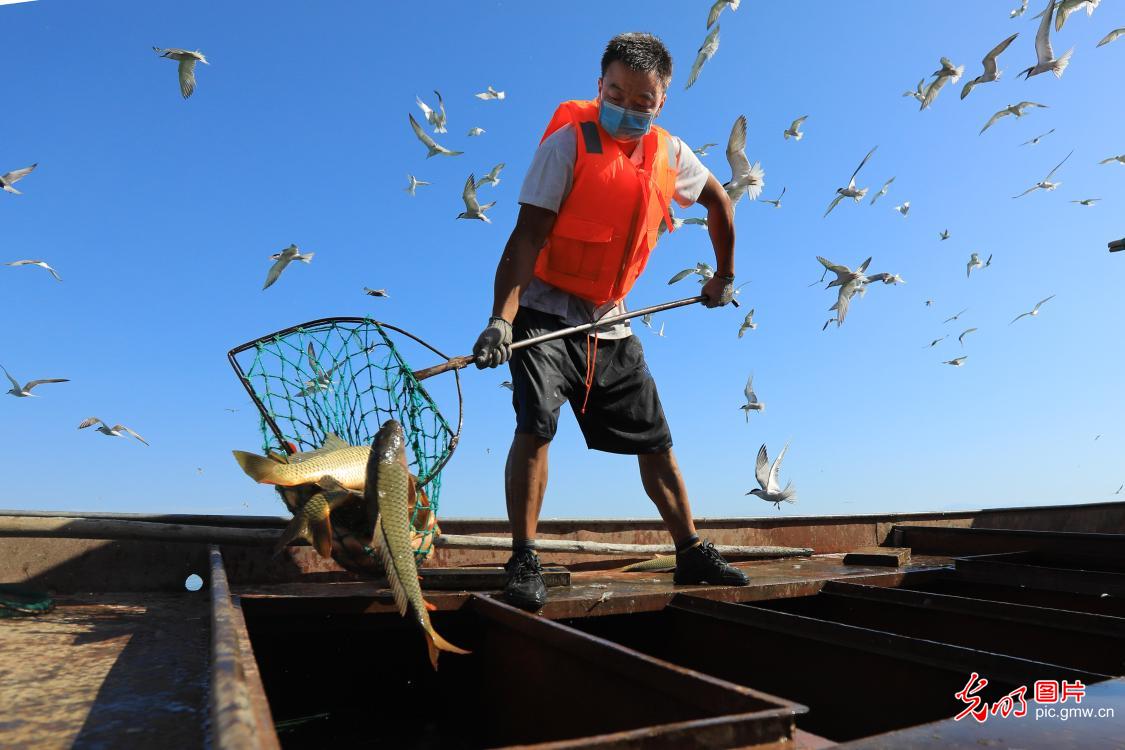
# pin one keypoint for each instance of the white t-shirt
(546, 185)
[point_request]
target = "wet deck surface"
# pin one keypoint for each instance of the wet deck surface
(106, 670)
(612, 592)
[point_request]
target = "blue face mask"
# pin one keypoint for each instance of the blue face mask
(624, 124)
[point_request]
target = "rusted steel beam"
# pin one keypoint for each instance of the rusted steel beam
(1012, 571)
(66, 527)
(945, 540)
(947, 582)
(235, 725)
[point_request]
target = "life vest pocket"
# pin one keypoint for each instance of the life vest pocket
(579, 247)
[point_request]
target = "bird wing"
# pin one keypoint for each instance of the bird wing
(681, 275)
(736, 153)
(11, 380)
(1052, 172)
(117, 427)
(843, 299)
(90, 421)
(1112, 36)
(32, 383)
(426, 111)
(1043, 50)
(1043, 301)
(710, 46)
(762, 469)
(748, 391)
(833, 204)
(495, 171)
(421, 134)
(797, 123)
(469, 195)
(187, 76)
(932, 90)
(1025, 192)
(851, 180)
(53, 272)
(774, 485)
(965, 333)
(989, 60)
(833, 267)
(275, 271)
(18, 174)
(863, 266)
(1024, 105)
(715, 11)
(1021, 315)
(440, 104)
(993, 119)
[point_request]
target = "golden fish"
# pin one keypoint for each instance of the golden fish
(345, 463)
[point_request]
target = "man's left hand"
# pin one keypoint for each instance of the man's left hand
(718, 291)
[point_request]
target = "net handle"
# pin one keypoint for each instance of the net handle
(456, 363)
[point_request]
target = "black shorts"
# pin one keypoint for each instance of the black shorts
(623, 411)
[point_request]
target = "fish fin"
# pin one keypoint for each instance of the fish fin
(334, 442)
(297, 529)
(258, 468)
(278, 457)
(379, 541)
(430, 607)
(436, 644)
(320, 529)
(330, 483)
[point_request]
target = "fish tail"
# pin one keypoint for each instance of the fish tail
(435, 644)
(321, 531)
(259, 468)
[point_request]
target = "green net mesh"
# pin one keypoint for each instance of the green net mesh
(347, 377)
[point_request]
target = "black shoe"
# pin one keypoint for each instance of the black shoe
(703, 564)
(525, 588)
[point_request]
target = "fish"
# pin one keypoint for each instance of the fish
(336, 458)
(388, 487)
(313, 522)
(661, 563)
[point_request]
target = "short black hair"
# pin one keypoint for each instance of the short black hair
(639, 51)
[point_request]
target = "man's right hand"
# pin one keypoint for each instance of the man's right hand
(494, 345)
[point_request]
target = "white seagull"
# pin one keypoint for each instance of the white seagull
(745, 178)
(703, 270)
(776, 203)
(706, 52)
(1087, 201)
(851, 191)
(1066, 7)
(40, 263)
(991, 72)
(413, 184)
(850, 283)
(1011, 109)
(1120, 159)
(1045, 183)
(436, 118)
(718, 8)
(794, 130)
(187, 59)
(752, 402)
(956, 362)
(947, 73)
(919, 92)
(770, 489)
(975, 262)
(882, 191)
(1016, 13)
(10, 178)
(493, 176)
(375, 292)
(24, 391)
(473, 209)
(490, 94)
(955, 317)
(429, 142)
(283, 259)
(1034, 312)
(904, 209)
(473, 132)
(702, 150)
(1045, 56)
(1035, 141)
(748, 323)
(944, 235)
(105, 429)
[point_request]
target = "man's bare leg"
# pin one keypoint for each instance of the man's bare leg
(525, 483)
(665, 486)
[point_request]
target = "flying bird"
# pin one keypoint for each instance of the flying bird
(1111, 37)
(429, 142)
(794, 130)
(1120, 159)
(964, 333)
(1035, 141)
(944, 235)
(955, 317)
(745, 178)
(24, 391)
(490, 94)
(283, 259)
(1034, 312)
(703, 270)
(10, 178)
(1045, 183)
(748, 323)
(752, 402)
(886, 278)
(115, 431)
(706, 52)
(187, 59)
(827, 323)
(769, 488)
(929, 303)
(507, 384)
(1066, 7)
(40, 263)
(1045, 55)
(904, 209)
(1016, 13)
(882, 191)
(1087, 201)
(851, 191)
(975, 262)
(702, 150)
(935, 342)
(436, 118)
(473, 132)
(718, 8)
(473, 209)
(957, 362)
(375, 292)
(1011, 109)
(947, 73)
(919, 92)
(991, 72)
(850, 283)
(776, 203)
(413, 183)
(493, 176)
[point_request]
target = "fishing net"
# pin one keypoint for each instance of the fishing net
(346, 376)
(19, 601)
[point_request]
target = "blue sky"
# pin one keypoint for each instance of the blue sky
(160, 215)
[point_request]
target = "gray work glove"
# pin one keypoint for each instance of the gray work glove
(719, 291)
(494, 345)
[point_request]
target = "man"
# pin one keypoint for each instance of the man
(592, 205)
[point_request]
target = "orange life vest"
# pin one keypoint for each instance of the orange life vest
(609, 222)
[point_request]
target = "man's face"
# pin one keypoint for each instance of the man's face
(642, 91)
